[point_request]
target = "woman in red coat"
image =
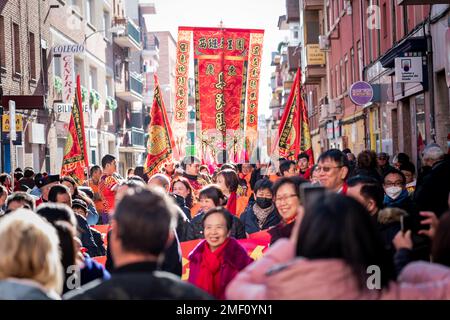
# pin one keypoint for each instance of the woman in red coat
(218, 259)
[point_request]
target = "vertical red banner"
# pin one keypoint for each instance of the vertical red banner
(221, 67)
(251, 127)
(181, 91)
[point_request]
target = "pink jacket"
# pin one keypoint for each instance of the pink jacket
(329, 279)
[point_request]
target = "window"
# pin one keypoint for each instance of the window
(92, 78)
(108, 90)
(343, 76)
(346, 75)
(78, 65)
(2, 42)
(16, 41)
(57, 65)
(360, 61)
(352, 66)
(32, 55)
(106, 24)
(384, 15)
(90, 11)
(337, 80)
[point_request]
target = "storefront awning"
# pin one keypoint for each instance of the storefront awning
(416, 44)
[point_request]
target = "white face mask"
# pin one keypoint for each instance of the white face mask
(393, 192)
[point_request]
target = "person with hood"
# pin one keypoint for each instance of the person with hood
(215, 261)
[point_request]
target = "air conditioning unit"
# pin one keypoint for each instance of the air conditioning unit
(324, 111)
(335, 107)
(324, 43)
(108, 117)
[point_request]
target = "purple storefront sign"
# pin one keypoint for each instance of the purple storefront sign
(361, 93)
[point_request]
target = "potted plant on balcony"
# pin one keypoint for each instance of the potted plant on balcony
(94, 99)
(58, 85)
(84, 94)
(111, 103)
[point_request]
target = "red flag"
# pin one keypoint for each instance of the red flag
(160, 144)
(75, 157)
(293, 133)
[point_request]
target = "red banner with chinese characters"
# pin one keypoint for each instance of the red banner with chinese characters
(180, 117)
(254, 247)
(75, 157)
(293, 133)
(221, 69)
(251, 126)
(160, 144)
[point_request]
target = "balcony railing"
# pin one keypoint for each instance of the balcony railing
(137, 137)
(135, 84)
(131, 38)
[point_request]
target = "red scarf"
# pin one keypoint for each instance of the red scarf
(232, 203)
(209, 275)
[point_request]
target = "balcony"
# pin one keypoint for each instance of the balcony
(133, 89)
(311, 4)
(151, 52)
(131, 38)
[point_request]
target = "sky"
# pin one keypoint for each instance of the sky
(255, 14)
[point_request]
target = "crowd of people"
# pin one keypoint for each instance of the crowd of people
(375, 214)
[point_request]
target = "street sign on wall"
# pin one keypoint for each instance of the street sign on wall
(361, 93)
(408, 69)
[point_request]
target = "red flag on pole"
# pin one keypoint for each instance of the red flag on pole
(75, 157)
(160, 144)
(293, 132)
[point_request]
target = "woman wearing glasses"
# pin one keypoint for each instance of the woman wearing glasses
(287, 202)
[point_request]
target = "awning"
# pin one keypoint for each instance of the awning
(415, 44)
(24, 102)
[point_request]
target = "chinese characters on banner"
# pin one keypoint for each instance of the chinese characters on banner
(181, 90)
(222, 103)
(251, 129)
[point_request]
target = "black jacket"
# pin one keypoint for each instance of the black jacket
(138, 281)
(171, 263)
(86, 237)
(250, 222)
(432, 193)
(97, 236)
(195, 229)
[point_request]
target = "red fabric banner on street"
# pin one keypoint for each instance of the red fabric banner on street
(75, 159)
(160, 144)
(251, 124)
(181, 91)
(254, 247)
(221, 68)
(293, 133)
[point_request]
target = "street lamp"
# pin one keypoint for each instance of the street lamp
(119, 29)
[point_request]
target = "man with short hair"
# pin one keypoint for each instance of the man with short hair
(160, 180)
(288, 168)
(107, 186)
(368, 191)
(18, 200)
(303, 166)
(60, 194)
(191, 168)
(432, 193)
(137, 254)
(333, 170)
(95, 174)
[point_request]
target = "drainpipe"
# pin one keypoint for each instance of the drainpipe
(328, 59)
(427, 29)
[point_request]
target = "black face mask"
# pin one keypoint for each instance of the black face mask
(263, 203)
